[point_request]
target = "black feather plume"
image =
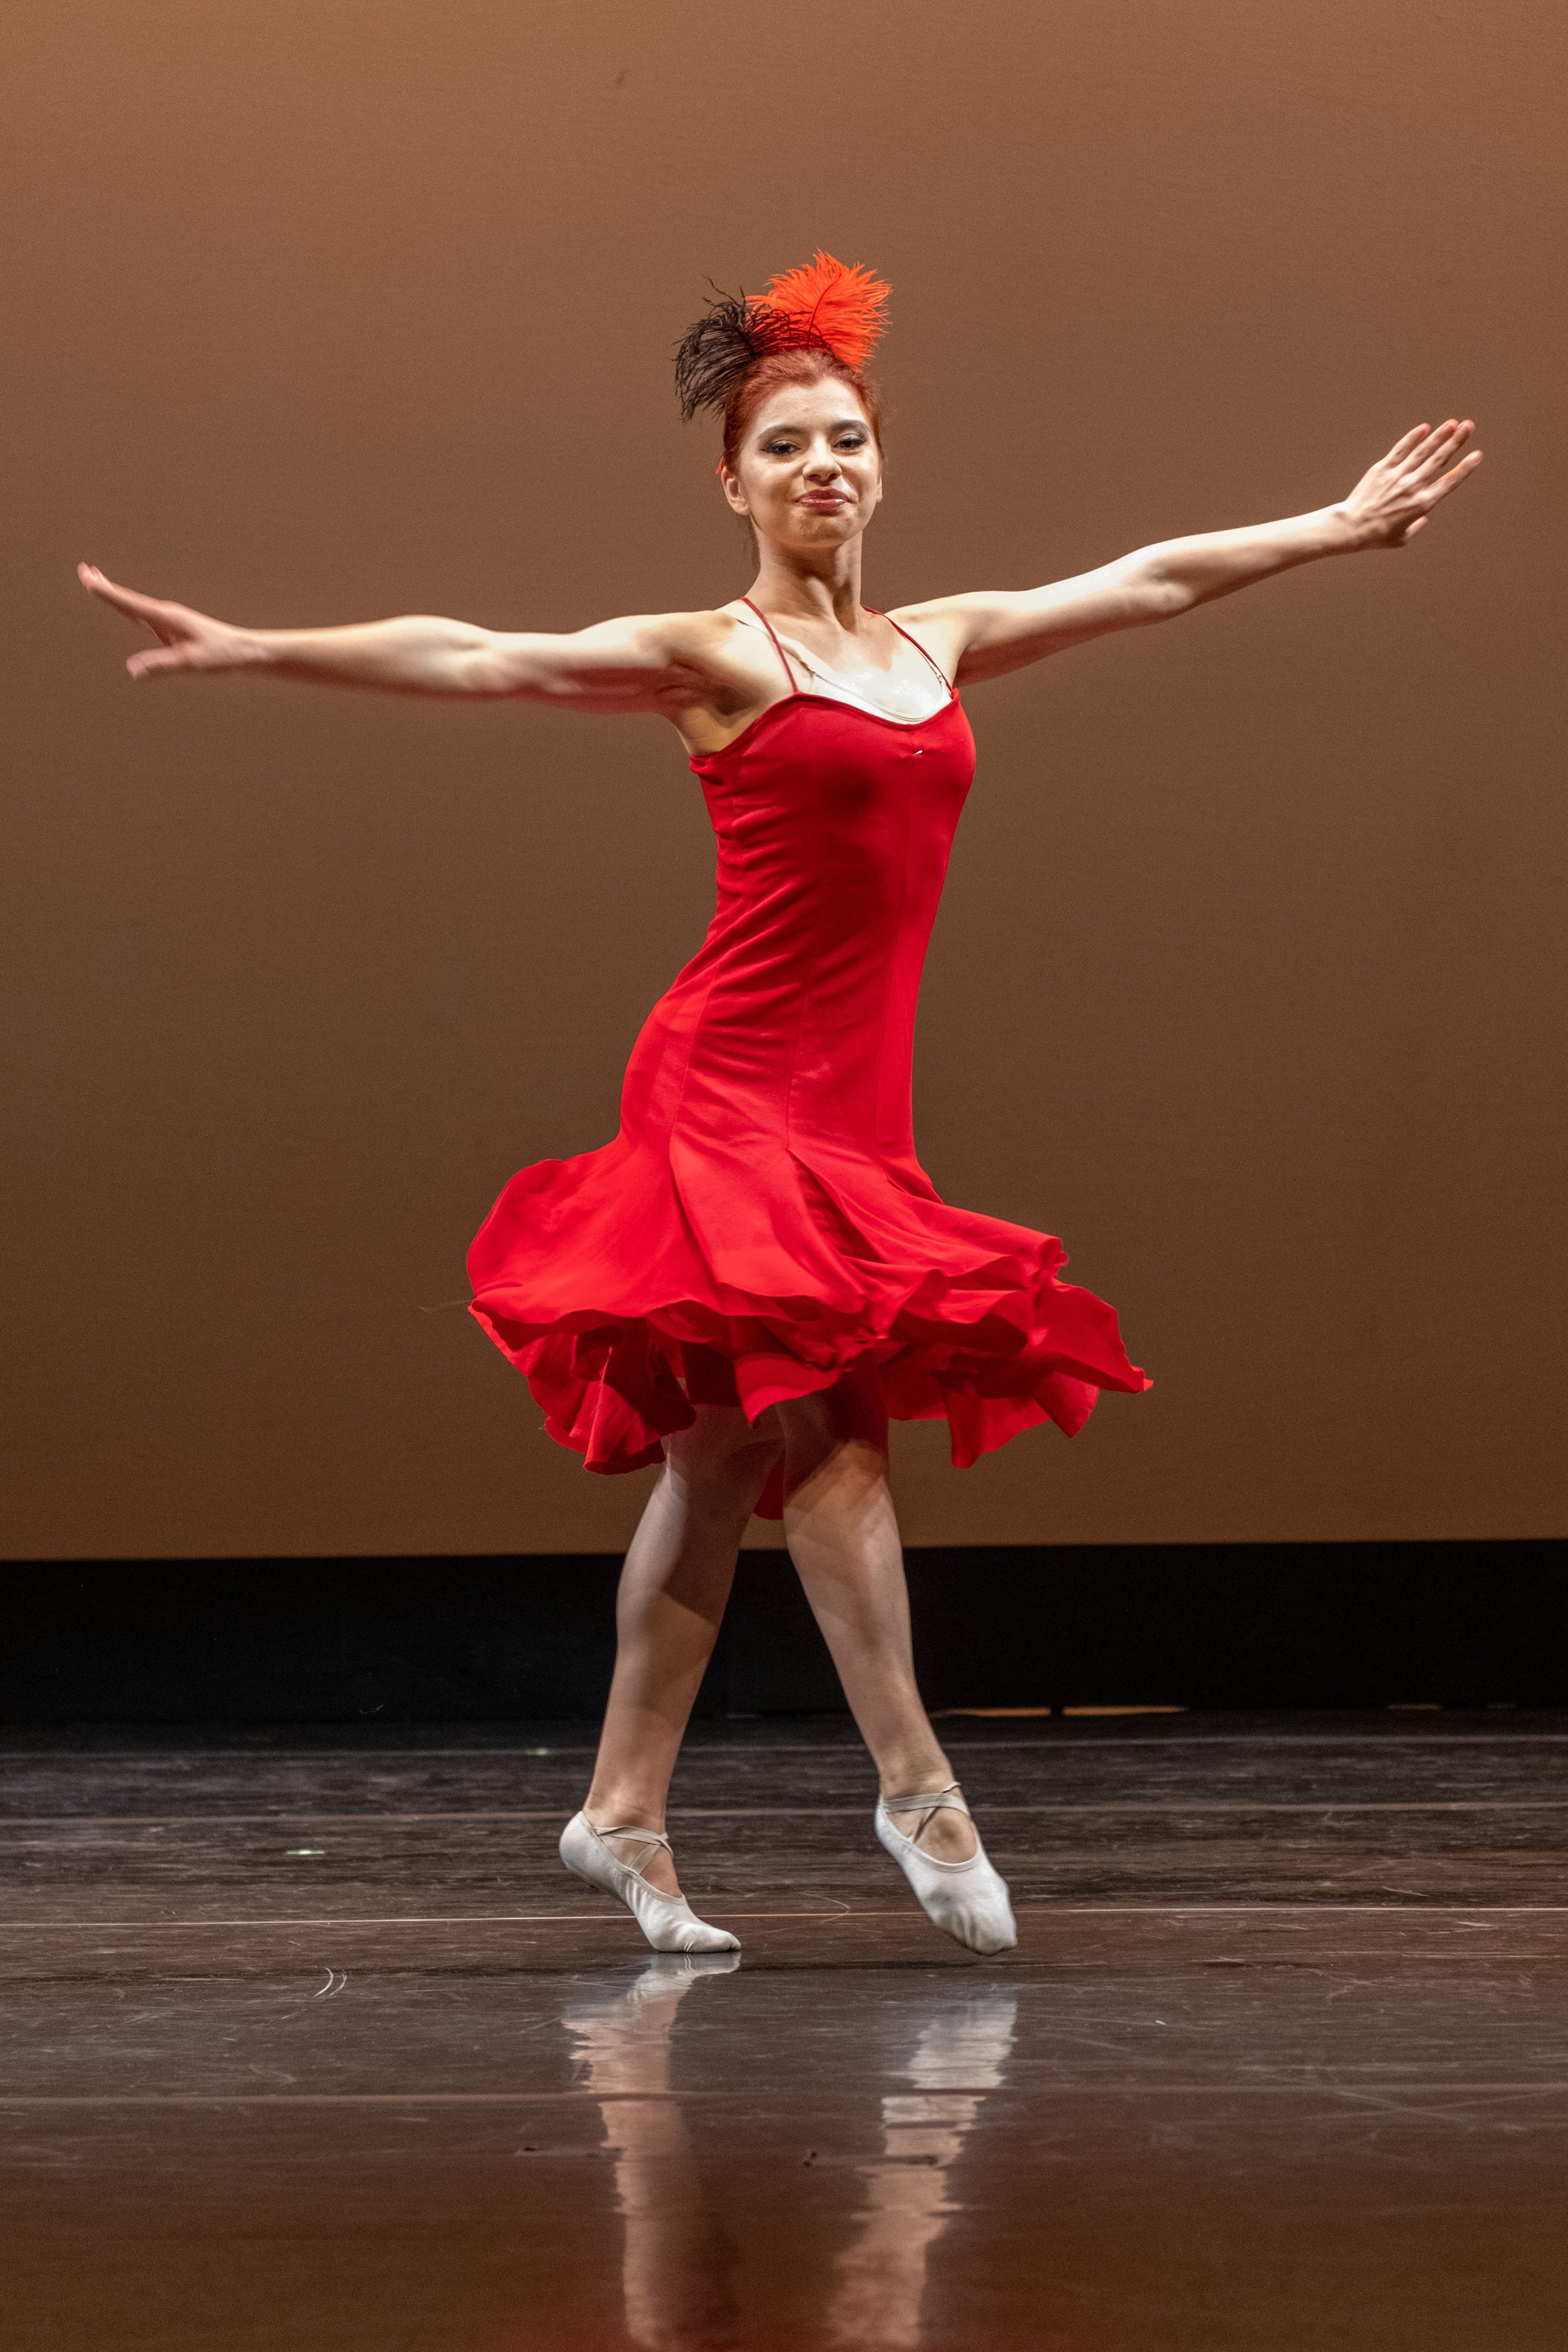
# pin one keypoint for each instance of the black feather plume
(721, 346)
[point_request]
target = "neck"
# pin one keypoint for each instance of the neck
(821, 584)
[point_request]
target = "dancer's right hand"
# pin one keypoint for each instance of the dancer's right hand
(186, 640)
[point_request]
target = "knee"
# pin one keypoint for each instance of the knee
(845, 1474)
(724, 1458)
(845, 1425)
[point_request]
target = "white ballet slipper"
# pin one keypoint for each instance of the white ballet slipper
(968, 1899)
(668, 1921)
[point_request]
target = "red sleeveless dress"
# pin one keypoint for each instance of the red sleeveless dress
(760, 1222)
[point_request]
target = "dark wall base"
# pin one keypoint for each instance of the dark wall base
(468, 1639)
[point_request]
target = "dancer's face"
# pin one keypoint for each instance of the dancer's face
(810, 470)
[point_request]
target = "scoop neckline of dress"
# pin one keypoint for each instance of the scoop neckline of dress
(830, 702)
(819, 669)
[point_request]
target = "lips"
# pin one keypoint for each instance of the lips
(824, 501)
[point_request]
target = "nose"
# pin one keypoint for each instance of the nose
(822, 467)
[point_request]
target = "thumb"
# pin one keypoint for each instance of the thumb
(155, 660)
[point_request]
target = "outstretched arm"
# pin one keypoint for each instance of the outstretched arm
(647, 662)
(988, 634)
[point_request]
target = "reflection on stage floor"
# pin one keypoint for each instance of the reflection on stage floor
(310, 2047)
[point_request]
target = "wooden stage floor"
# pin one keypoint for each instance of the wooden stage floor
(311, 2046)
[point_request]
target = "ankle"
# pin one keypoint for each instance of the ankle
(622, 1809)
(918, 1773)
(936, 1821)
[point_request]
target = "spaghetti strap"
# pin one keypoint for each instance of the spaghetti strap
(778, 649)
(915, 642)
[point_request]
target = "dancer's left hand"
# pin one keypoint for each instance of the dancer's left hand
(1392, 499)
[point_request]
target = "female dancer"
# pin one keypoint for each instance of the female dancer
(757, 1272)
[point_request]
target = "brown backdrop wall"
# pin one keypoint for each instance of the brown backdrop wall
(1246, 981)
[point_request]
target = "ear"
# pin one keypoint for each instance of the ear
(733, 493)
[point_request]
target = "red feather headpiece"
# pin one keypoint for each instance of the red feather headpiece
(825, 305)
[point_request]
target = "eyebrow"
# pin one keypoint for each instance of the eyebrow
(858, 423)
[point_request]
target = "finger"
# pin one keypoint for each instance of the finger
(1436, 441)
(1430, 485)
(1406, 443)
(1453, 436)
(124, 600)
(155, 660)
(1422, 470)
(1415, 458)
(1455, 474)
(100, 582)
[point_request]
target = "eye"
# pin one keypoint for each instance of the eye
(777, 448)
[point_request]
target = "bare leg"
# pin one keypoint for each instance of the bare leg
(844, 1539)
(673, 1591)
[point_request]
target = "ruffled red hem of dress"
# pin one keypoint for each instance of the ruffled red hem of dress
(613, 1388)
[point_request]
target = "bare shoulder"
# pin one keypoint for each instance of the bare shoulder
(718, 659)
(714, 639)
(943, 624)
(699, 648)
